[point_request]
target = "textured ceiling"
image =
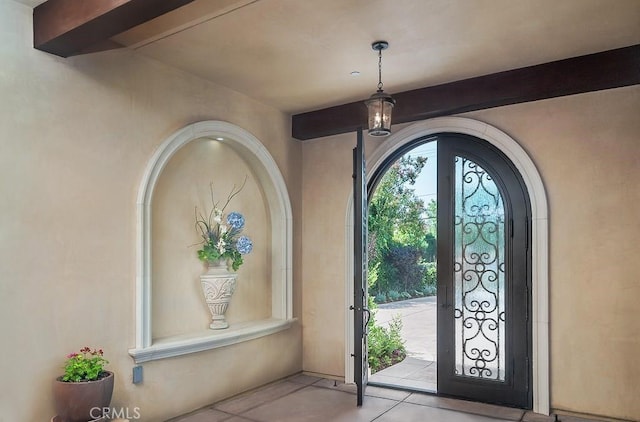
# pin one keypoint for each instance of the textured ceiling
(297, 55)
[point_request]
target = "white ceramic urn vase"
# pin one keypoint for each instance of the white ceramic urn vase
(218, 285)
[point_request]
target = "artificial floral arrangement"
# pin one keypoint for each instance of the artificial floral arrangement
(88, 365)
(221, 235)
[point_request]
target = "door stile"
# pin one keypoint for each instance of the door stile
(361, 313)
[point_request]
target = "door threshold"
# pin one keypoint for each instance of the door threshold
(403, 386)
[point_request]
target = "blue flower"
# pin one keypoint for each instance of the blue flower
(235, 220)
(244, 245)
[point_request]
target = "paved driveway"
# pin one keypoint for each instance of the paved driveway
(418, 324)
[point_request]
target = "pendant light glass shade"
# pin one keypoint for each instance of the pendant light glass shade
(380, 104)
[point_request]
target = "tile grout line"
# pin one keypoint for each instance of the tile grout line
(302, 386)
(387, 411)
(453, 410)
(392, 407)
(410, 393)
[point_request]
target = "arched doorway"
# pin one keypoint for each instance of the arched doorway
(530, 180)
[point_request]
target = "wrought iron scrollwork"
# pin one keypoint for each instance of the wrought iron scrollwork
(479, 268)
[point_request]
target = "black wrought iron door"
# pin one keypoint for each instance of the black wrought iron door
(361, 313)
(484, 340)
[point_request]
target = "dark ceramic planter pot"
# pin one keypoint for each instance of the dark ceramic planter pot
(74, 401)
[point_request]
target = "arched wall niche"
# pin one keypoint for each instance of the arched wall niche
(196, 169)
(539, 235)
(271, 205)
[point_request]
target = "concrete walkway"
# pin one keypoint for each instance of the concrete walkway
(418, 371)
(418, 324)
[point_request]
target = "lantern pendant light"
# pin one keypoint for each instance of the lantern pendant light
(380, 104)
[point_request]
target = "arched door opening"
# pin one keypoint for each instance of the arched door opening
(482, 220)
(511, 158)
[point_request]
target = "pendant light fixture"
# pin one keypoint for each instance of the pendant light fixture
(380, 104)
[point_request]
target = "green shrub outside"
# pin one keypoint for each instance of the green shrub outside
(380, 298)
(429, 290)
(393, 295)
(385, 344)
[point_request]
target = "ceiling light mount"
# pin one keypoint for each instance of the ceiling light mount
(380, 104)
(380, 45)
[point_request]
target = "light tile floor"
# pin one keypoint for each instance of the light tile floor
(302, 398)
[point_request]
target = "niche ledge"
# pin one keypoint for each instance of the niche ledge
(184, 344)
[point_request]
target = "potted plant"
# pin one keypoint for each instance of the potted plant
(222, 244)
(84, 387)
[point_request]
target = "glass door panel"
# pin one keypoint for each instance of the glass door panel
(484, 341)
(479, 263)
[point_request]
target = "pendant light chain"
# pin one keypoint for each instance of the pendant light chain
(380, 70)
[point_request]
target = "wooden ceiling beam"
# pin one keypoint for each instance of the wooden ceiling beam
(593, 72)
(71, 27)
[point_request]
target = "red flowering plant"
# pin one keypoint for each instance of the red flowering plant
(88, 365)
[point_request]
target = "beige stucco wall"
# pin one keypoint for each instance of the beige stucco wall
(75, 137)
(587, 150)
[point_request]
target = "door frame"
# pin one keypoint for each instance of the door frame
(539, 236)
